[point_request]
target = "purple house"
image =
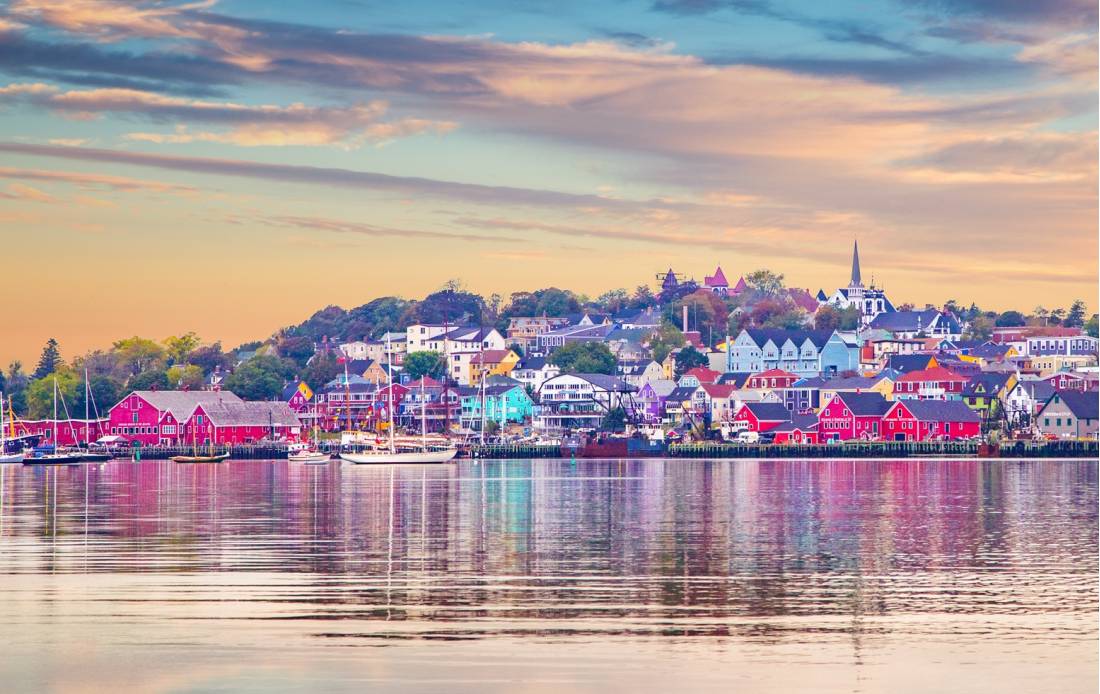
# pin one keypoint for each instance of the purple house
(651, 398)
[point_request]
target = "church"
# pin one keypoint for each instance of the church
(871, 301)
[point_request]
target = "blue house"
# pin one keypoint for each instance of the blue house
(801, 352)
(504, 404)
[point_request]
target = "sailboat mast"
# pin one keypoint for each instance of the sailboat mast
(423, 418)
(55, 413)
(87, 396)
(389, 380)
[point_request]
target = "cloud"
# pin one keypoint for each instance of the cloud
(372, 230)
(94, 181)
(108, 20)
(20, 191)
(296, 124)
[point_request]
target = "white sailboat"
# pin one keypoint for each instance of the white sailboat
(58, 456)
(390, 455)
(6, 457)
(308, 452)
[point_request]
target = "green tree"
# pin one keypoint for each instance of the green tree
(688, 358)
(16, 389)
(259, 378)
(1075, 317)
(40, 394)
(1091, 327)
(320, 370)
(430, 364)
(585, 358)
(210, 358)
(615, 420)
(50, 360)
(1010, 319)
(979, 328)
(1057, 315)
(185, 377)
(1041, 313)
(765, 282)
(179, 348)
(298, 349)
(138, 354)
(667, 338)
(829, 317)
(153, 379)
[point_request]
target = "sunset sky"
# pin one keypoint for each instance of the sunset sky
(229, 167)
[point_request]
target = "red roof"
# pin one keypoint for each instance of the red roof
(740, 286)
(718, 279)
(704, 374)
(936, 373)
(429, 382)
(491, 356)
(718, 390)
(774, 373)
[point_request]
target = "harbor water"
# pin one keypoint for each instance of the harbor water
(649, 575)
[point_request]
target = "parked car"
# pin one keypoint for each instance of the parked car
(748, 437)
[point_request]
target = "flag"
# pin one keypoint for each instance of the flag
(340, 360)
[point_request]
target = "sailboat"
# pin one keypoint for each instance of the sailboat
(90, 455)
(308, 452)
(416, 454)
(57, 456)
(5, 456)
(212, 457)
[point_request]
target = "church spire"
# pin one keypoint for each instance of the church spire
(857, 281)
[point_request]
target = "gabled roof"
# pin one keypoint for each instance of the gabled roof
(799, 422)
(740, 286)
(533, 363)
(774, 373)
(662, 387)
(609, 383)
(909, 362)
(490, 356)
(180, 403)
(779, 337)
(865, 404)
(704, 374)
(912, 321)
(811, 382)
(821, 296)
(718, 279)
(769, 411)
(1083, 405)
(1039, 391)
(718, 390)
(852, 383)
(253, 414)
(737, 378)
(803, 299)
(986, 383)
(936, 373)
(681, 393)
(939, 410)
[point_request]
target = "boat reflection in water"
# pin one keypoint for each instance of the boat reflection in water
(548, 576)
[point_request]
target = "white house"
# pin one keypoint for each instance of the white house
(534, 371)
(573, 401)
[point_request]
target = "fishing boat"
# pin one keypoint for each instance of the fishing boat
(391, 453)
(51, 454)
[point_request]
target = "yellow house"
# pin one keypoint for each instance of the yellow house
(989, 354)
(492, 362)
(374, 372)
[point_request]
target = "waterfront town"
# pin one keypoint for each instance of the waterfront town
(749, 360)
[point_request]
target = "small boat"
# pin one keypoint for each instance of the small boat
(96, 455)
(309, 456)
(10, 451)
(200, 458)
(12, 457)
(58, 458)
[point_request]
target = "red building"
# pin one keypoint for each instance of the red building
(702, 374)
(762, 416)
(803, 429)
(237, 423)
(930, 420)
(155, 416)
(935, 383)
(852, 416)
(1069, 381)
(771, 379)
(69, 432)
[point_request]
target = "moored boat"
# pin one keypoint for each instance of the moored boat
(217, 458)
(384, 457)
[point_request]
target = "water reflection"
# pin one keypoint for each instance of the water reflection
(846, 557)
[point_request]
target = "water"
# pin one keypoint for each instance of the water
(550, 576)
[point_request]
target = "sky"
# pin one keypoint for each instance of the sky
(231, 166)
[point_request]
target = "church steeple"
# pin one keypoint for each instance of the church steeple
(857, 281)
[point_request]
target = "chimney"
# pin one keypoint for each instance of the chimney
(685, 318)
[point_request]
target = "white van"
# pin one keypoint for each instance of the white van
(748, 437)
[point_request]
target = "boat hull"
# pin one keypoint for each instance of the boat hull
(95, 457)
(11, 457)
(199, 458)
(309, 457)
(63, 459)
(411, 457)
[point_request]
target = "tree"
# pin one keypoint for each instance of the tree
(185, 377)
(688, 358)
(50, 360)
(979, 328)
(765, 282)
(615, 420)
(642, 297)
(1091, 327)
(16, 389)
(1075, 317)
(1057, 315)
(450, 304)
(178, 348)
(296, 348)
(137, 355)
(430, 364)
(153, 379)
(210, 358)
(584, 357)
(829, 317)
(40, 394)
(1041, 313)
(260, 378)
(320, 370)
(667, 338)
(106, 391)
(1010, 319)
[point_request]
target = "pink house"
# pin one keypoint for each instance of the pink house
(762, 416)
(850, 416)
(935, 383)
(155, 416)
(69, 432)
(930, 420)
